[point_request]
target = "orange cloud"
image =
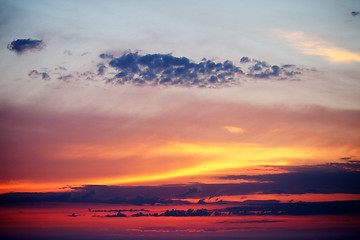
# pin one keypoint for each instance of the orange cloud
(234, 129)
(316, 46)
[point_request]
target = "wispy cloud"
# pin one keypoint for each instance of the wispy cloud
(233, 129)
(316, 46)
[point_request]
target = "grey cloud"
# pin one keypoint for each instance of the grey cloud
(245, 60)
(22, 45)
(165, 69)
(101, 69)
(106, 55)
(262, 70)
(65, 78)
(36, 74)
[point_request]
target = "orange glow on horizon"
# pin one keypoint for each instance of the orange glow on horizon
(199, 159)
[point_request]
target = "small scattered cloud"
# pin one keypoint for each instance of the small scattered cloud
(315, 46)
(106, 56)
(65, 78)
(22, 45)
(262, 70)
(119, 214)
(245, 60)
(68, 52)
(37, 74)
(354, 14)
(101, 69)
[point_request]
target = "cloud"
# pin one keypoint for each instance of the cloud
(324, 179)
(36, 74)
(354, 14)
(189, 193)
(328, 178)
(23, 45)
(245, 60)
(262, 70)
(297, 209)
(101, 69)
(119, 214)
(106, 55)
(165, 69)
(65, 78)
(315, 46)
(233, 129)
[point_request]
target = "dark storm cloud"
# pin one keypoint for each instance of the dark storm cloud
(23, 45)
(165, 69)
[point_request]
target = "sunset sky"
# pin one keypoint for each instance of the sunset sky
(180, 102)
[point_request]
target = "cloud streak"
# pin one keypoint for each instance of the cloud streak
(316, 46)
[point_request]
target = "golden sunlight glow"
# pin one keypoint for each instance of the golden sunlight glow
(312, 46)
(234, 129)
(199, 159)
(215, 157)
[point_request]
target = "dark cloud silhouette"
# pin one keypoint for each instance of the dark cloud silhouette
(325, 179)
(330, 178)
(189, 213)
(353, 13)
(119, 214)
(36, 74)
(299, 208)
(251, 221)
(188, 193)
(23, 45)
(165, 69)
(258, 207)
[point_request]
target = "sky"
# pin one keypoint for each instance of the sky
(172, 103)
